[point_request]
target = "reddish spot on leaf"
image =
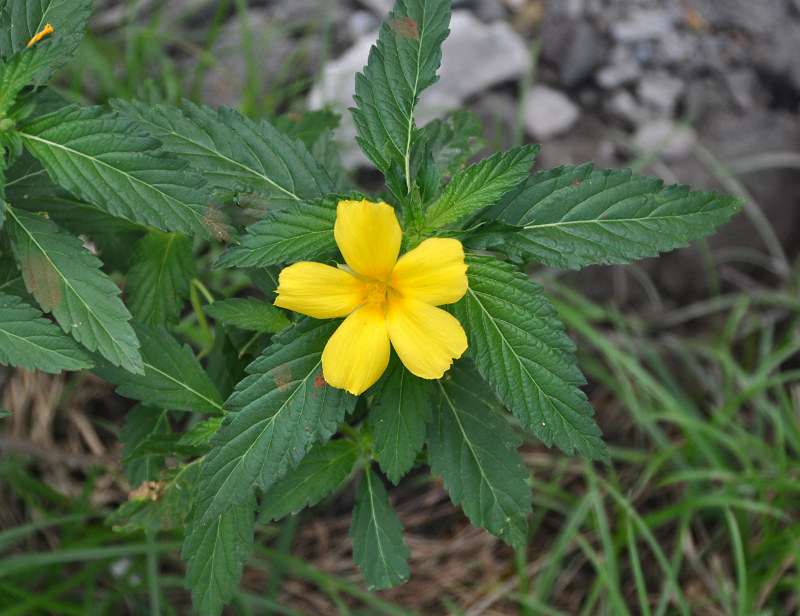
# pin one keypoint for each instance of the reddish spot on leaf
(282, 378)
(214, 221)
(405, 27)
(294, 116)
(42, 280)
(575, 181)
(319, 380)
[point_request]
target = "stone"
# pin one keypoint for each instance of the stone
(548, 113)
(622, 69)
(643, 24)
(670, 140)
(574, 46)
(362, 22)
(475, 57)
(660, 91)
(624, 106)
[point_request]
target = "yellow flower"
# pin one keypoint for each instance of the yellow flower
(385, 299)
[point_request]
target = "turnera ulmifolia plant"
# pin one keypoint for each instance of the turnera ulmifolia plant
(384, 332)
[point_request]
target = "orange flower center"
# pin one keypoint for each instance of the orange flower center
(376, 294)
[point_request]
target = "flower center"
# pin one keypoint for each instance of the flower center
(376, 294)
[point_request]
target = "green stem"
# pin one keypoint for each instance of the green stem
(194, 298)
(152, 575)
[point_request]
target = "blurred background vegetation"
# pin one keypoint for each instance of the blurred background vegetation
(693, 359)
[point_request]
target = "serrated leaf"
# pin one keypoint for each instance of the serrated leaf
(20, 21)
(24, 66)
(572, 217)
(378, 546)
(65, 278)
(30, 341)
(215, 554)
(301, 233)
(401, 65)
(519, 346)
(479, 185)
(475, 451)
(140, 422)
(173, 379)
(235, 154)
(278, 413)
(158, 280)
(201, 433)
(107, 160)
(251, 314)
(29, 187)
(400, 409)
(454, 140)
(319, 473)
(307, 127)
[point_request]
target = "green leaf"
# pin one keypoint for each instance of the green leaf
(158, 280)
(106, 160)
(25, 67)
(234, 153)
(280, 410)
(480, 184)
(173, 379)
(321, 472)
(201, 433)
(519, 346)
(141, 422)
(29, 187)
(30, 341)
(307, 127)
(475, 451)
(401, 65)
(301, 233)
(398, 415)
(216, 553)
(378, 546)
(251, 314)
(65, 278)
(455, 140)
(572, 217)
(4, 413)
(20, 21)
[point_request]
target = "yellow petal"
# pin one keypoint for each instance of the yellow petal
(426, 338)
(358, 352)
(368, 235)
(434, 272)
(319, 290)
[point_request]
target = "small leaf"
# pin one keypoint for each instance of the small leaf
(30, 341)
(216, 553)
(106, 160)
(234, 153)
(173, 379)
(140, 422)
(201, 433)
(4, 413)
(307, 127)
(480, 185)
(278, 413)
(455, 140)
(158, 280)
(251, 314)
(401, 65)
(520, 348)
(571, 217)
(301, 233)
(66, 280)
(20, 21)
(401, 406)
(321, 472)
(378, 546)
(474, 450)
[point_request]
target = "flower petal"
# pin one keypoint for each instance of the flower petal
(368, 235)
(358, 352)
(319, 290)
(434, 272)
(426, 338)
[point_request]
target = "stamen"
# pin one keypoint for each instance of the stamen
(48, 29)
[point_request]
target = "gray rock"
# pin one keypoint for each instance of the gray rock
(622, 69)
(489, 10)
(362, 22)
(548, 112)
(672, 141)
(475, 57)
(624, 106)
(660, 91)
(677, 47)
(643, 24)
(574, 46)
(381, 8)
